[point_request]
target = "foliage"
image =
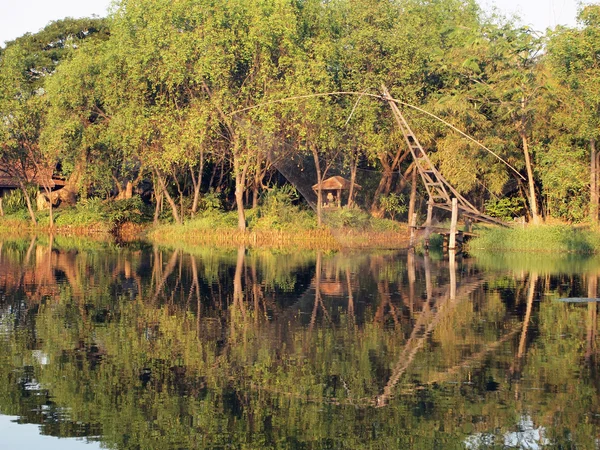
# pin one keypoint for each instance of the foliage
(211, 201)
(348, 218)
(15, 200)
(183, 100)
(132, 210)
(506, 208)
(393, 204)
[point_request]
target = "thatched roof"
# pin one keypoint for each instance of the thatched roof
(335, 183)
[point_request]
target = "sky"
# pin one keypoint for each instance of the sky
(18, 17)
(539, 14)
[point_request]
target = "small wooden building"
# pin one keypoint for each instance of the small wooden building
(9, 183)
(332, 189)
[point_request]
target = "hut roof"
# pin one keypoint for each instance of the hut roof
(44, 178)
(335, 183)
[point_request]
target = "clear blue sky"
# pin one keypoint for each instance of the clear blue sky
(18, 17)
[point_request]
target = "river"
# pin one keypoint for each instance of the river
(141, 347)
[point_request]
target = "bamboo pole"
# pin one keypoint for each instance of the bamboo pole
(452, 243)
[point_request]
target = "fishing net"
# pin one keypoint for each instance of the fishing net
(353, 198)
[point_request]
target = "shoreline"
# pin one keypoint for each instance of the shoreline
(548, 238)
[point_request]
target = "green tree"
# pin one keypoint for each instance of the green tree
(573, 61)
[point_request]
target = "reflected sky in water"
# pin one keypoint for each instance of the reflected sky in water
(143, 347)
(27, 436)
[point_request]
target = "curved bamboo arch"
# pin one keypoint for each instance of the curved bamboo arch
(384, 98)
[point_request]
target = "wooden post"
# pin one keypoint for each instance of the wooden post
(452, 268)
(429, 214)
(428, 284)
(1, 209)
(413, 229)
(592, 321)
(412, 277)
(428, 223)
(452, 243)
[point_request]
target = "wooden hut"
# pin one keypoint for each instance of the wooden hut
(10, 182)
(332, 189)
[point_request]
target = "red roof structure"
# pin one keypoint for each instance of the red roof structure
(43, 179)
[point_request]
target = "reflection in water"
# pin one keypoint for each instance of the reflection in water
(149, 348)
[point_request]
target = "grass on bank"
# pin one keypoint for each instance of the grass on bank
(87, 217)
(276, 222)
(286, 226)
(542, 238)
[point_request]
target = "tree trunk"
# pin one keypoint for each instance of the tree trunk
(168, 197)
(353, 171)
(319, 190)
(240, 185)
(197, 184)
(385, 184)
(48, 191)
(382, 189)
(28, 201)
(238, 288)
(593, 183)
(255, 196)
(158, 196)
(129, 189)
(219, 187)
(532, 198)
(259, 175)
(68, 193)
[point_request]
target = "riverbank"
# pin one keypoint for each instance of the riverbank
(219, 228)
(556, 238)
(290, 228)
(88, 218)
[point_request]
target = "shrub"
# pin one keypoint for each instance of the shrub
(393, 204)
(211, 201)
(15, 200)
(129, 210)
(347, 218)
(505, 208)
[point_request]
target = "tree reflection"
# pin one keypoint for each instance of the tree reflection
(152, 348)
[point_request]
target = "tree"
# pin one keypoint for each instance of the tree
(25, 65)
(573, 60)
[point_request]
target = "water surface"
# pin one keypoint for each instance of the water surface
(141, 347)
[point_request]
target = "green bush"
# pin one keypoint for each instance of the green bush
(15, 201)
(505, 208)
(347, 218)
(393, 204)
(211, 201)
(279, 197)
(130, 210)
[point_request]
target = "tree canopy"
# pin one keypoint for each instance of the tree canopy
(180, 99)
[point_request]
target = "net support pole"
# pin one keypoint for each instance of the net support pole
(453, 223)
